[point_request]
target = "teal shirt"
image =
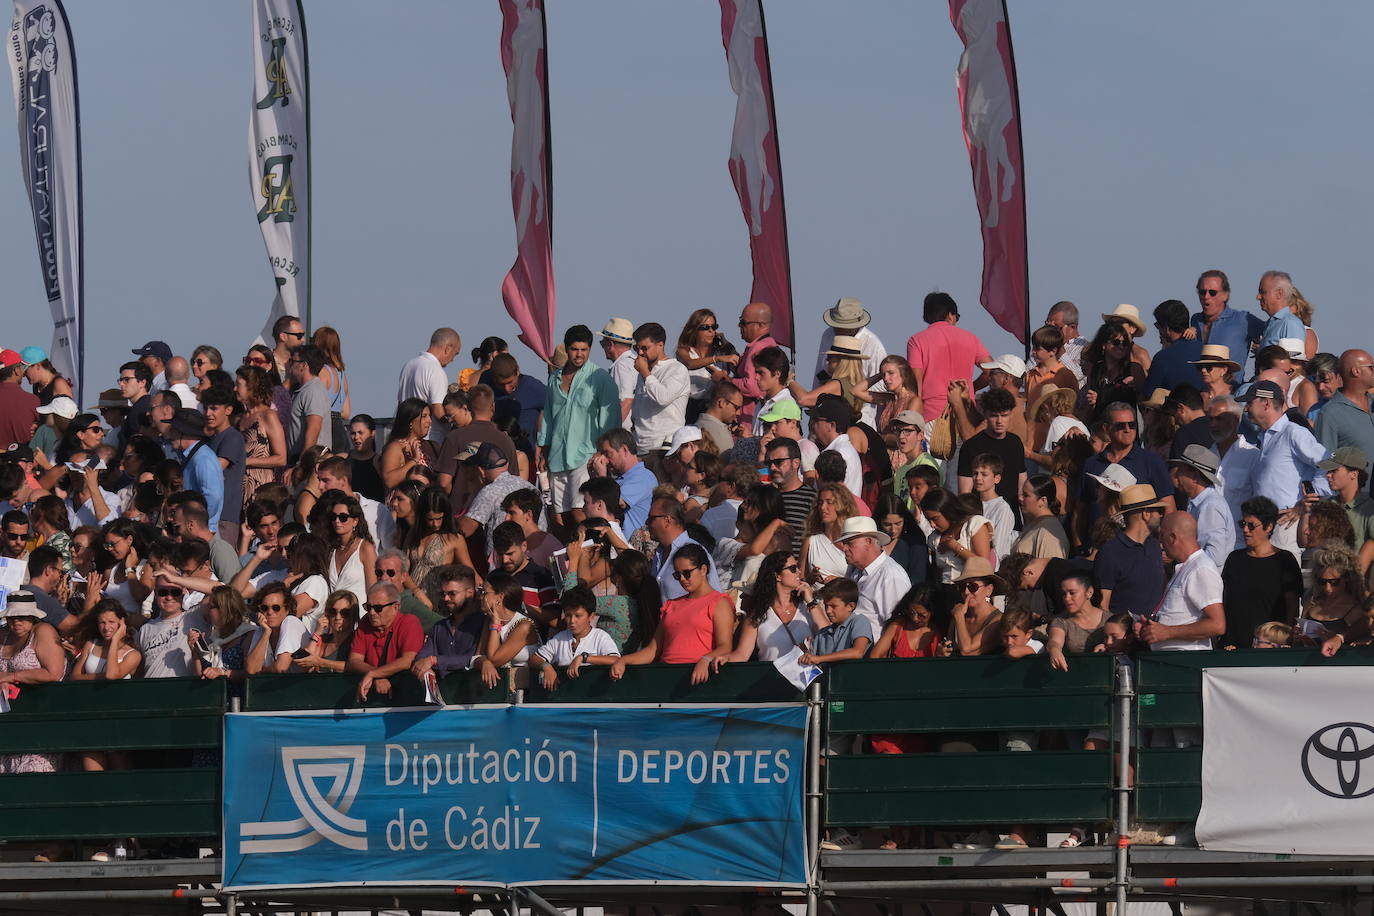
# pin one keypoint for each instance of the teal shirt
(574, 420)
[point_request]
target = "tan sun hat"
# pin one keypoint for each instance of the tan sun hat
(1127, 313)
(979, 568)
(1216, 355)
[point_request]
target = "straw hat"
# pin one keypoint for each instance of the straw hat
(1216, 355)
(1156, 399)
(1048, 390)
(619, 330)
(861, 526)
(979, 568)
(847, 314)
(1139, 497)
(1114, 477)
(845, 347)
(1129, 314)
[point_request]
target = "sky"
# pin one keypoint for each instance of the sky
(1161, 140)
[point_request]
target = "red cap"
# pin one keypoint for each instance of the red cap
(9, 358)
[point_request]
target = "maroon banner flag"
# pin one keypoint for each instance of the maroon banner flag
(528, 289)
(754, 164)
(992, 132)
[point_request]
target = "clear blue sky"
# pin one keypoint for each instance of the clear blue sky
(1160, 139)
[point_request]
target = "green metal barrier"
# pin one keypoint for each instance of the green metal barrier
(285, 692)
(1168, 780)
(969, 695)
(748, 682)
(169, 714)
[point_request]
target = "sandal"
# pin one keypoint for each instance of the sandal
(1070, 842)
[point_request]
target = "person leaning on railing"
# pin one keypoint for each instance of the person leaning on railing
(30, 654)
(511, 633)
(333, 639)
(696, 628)
(1080, 629)
(282, 633)
(222, 649)
(386, 643)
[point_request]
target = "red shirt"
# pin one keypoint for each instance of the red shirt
(382, 646)
(18, 415)
(744, 376)
(945, 352)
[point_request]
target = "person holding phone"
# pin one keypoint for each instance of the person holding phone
(281, 635)
(779, 613)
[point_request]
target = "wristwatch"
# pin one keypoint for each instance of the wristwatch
(585, 658)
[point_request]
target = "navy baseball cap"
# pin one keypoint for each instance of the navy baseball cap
(1264, 391)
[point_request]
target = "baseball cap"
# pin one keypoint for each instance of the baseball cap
(909, 418)
(484, 456)
(682, 437)
(10, 358)
(1347, 456)
(833, 408)
(18, 451)
(33, 355)
(61, 405)
(1263, 391)
(786, 409)
(156, 348)
(1012, 365)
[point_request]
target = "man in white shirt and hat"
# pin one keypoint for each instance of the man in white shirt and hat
(849, 317)
(617, 342)
(882, 581)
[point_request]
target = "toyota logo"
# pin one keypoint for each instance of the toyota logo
(1333, 760)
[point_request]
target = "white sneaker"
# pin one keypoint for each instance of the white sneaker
(983, 839)
(840, 839)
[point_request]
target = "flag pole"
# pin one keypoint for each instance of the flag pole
(1020, 142)
(81, 218)
(548, 135)
(309, 171)
(782, 196)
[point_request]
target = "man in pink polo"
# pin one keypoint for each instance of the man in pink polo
(756, 328)
(942, 352)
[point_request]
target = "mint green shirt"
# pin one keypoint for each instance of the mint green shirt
(574, 420)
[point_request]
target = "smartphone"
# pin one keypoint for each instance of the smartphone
(300, 653)
(1308, 489)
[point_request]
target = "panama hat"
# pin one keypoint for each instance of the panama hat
(847, 314)
(1048, 390)
(1114, 477)
(979, 568)
(861, 526)
(1156, 399)
(1139, 497)
(620, 330)
(1216, 355)
(1201, 459)
(1127, 313)
(845, 347)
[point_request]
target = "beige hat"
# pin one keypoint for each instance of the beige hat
(861, 526)
(845, 347)
(847, 314)
(1127, 313)
(1156, 399)
(619, 330)
(1139, 497)
(1216, 355)
(909, 418)
(1048, 390)
(976, 567)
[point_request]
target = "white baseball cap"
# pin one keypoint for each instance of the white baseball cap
(1012, 365)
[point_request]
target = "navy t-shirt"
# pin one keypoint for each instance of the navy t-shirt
(525, 403)
(1133, 572)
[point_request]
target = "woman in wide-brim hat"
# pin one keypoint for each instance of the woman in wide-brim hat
(1217, 369)
(1051, 418)
(1128, 317)
(845, 363)
(975, 617)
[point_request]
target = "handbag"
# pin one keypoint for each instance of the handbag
(941, 439)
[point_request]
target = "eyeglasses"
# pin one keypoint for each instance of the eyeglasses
(1124, 425)
(651, 518)
(1209, 293)
(707, 327)
(739, 406)
(169, 593)
(378, 608)
(389, 573)
(682, 575)
(742, 322)
(272, 608)
(342, 516)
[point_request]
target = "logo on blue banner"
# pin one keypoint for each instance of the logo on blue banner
(521, 794)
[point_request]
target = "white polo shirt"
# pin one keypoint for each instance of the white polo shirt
(1195, 585)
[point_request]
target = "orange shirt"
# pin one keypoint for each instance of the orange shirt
(688, 630)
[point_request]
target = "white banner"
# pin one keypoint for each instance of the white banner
(1288, 760)
(278, 152)
(43, 68)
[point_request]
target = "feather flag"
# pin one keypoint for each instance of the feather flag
(528, 289)
(43, 68)
(755, 167)
(991, 110)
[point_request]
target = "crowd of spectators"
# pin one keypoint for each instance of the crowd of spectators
(704, 504)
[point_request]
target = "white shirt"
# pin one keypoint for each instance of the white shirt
(668, 586)
(1003, 521)
(882, 584)
(853, 464)
(294, 635)
(379, 522)
(425, 379)
(560, 650)
(1216, 530)
(660, 404)
(1235, 471)
(183, 391)
(1196, 584)
(625, 376)
(85, 513)
(767, 405)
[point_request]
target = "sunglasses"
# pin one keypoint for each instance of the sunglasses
(1122, 427)
(97, 428)
(1119, 342)
(1332, 582)
(378, 608)
(682, 575)
(169, 593)
(389, 573)
(342, 516)
(259, 362)
(300, 334)
(1209, 293)
(707, 327)
(791, 567)
(775, 462)
(272, 608)
(1251, 526)
(972, 585)
(16, 535)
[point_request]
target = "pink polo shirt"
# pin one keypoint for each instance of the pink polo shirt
(945, 352)
(744, 376)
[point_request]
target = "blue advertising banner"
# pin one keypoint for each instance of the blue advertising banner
(516, 795)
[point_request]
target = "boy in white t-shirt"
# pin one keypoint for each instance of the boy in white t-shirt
(578, 643)
(987, 474)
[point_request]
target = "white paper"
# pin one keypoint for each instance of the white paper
(797, 674)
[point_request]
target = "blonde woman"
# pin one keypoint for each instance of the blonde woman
(821, 557)
(844, 361)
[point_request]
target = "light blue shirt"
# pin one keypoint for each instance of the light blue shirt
(201, 472)
(1281, 324)
(636, 492)
(1233, 329)
(1289, 455)
(663, 568)
(1216, 530)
